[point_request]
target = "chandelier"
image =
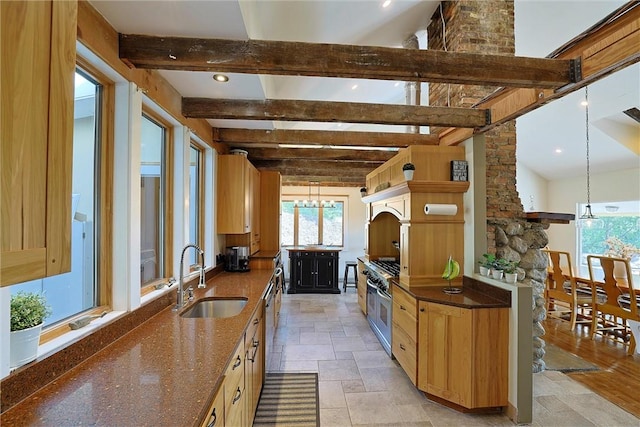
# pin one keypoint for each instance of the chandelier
(587, 217)
(314, 202)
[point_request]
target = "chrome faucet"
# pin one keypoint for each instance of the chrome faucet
(180, 299)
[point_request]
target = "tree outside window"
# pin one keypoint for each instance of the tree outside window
(302, 226)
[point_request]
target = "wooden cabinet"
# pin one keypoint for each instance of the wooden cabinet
(405, 250)
(464, 354)
(235, 195)
(270, 208)
(38, 48)
(234, 390)
(254, 208)
(254, 362)
(404, 332)
(216, 411)
(313, 271)
(362, 287)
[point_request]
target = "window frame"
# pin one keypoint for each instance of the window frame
(200, 192)
(103, 260)
(166, 204)
(296, 221)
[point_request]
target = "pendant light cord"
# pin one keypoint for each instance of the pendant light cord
(586, 99)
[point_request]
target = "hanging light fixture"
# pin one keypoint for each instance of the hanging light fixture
(587, 217)
(314, 202)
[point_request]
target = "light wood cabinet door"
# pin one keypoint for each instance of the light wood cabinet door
(404, 331)
(234, 196)
(362, 287)
(234, 389)
(255, 208)
(255, 361)
(464, 354)
(38, 63)
(215, 416)
(270, 208)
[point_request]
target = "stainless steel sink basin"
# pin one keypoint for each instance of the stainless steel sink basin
(216, 307)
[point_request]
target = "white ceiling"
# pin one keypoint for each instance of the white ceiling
(541, 27)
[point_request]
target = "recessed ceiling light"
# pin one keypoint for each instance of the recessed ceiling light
(584, 103)
(397, 84)
(354, 87)
(558, 150)
(220, 78)
(386, 3)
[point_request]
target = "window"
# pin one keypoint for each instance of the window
(76, 291)
(196, 208)
(618, 224)
(312, 225)
(153, 179)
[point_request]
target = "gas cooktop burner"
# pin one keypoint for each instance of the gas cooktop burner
(391, 267)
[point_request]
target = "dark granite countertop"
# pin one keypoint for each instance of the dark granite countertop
(265, 254)
(164, 372)
(475, 294)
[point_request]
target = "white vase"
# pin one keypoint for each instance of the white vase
(496, 274)
(408, 174)
(484, 271)
(23, 345)
(511, 277)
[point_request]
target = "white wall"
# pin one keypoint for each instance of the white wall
(532, 189)
(564, 194)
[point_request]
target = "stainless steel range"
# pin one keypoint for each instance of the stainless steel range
(379, 303)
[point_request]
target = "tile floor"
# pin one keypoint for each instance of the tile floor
(361, 386)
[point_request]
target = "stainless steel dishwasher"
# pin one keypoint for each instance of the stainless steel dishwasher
(270, 313)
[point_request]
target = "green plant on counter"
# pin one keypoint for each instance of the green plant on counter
(408, 167)
(28, 309)
(488, 260)
(511, 267)
(501, 264)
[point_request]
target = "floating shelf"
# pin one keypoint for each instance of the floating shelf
(550, 217)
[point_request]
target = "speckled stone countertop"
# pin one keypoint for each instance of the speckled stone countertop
(162, 373)
(474, 294)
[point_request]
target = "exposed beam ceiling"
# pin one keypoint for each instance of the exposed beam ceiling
(327, 138)
(345, 155)
(349, 61)
(324, 111)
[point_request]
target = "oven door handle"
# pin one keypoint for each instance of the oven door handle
(383, 294)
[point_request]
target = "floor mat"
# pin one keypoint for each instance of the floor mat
(557, 359)
(289, 399)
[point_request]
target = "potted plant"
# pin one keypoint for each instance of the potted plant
(408, 169)
(486, 263)
(511, 271)
(28, 311)
(497, 269)
(363, 191)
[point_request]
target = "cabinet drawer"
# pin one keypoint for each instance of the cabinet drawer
(406, 322)
(215, 416)
(404, 349)
(254, 325)
(405, 302)
(235, 375)
(445, 310)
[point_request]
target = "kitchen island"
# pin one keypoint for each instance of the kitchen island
(164, 372)
(313, 269)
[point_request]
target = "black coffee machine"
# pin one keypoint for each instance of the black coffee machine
(236, 258)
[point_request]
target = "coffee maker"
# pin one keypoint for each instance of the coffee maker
(237, 258)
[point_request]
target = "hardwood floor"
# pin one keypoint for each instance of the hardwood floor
(619, 378)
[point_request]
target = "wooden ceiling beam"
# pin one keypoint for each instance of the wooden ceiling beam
(325, 168)
(325, 111)
(323, 181)
(323, 137)
(346, 61)
(321, 154)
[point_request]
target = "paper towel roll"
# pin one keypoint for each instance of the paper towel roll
(434, 209)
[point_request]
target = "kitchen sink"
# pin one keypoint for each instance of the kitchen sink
(216, 307)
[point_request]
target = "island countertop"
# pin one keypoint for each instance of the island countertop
(164, 372)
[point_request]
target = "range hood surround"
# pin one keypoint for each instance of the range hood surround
(426, 241)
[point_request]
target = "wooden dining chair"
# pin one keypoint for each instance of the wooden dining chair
(562, 286)
(610, 314)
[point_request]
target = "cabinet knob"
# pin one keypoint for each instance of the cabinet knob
(402, 347)
(422, 310)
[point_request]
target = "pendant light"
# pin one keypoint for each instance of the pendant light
(587, 217)
(314, 202)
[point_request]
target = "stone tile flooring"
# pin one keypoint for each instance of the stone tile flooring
(361, 386)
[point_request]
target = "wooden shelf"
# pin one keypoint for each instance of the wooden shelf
(550, 217)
